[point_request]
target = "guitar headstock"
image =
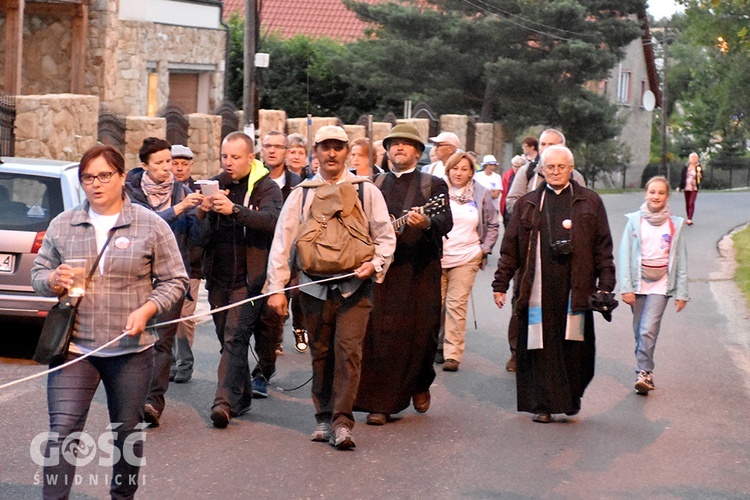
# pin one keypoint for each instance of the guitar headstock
(435, 205)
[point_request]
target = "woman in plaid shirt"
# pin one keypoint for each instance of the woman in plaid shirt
(140, 275)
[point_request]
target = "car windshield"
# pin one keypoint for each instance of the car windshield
(28, 202)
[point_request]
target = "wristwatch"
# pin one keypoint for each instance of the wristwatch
(235, 209)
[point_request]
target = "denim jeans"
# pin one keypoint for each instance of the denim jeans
(163, 357)
(647, 313)
(336, 329)
(183, 342)
(126, 380)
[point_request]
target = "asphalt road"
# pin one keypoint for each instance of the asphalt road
(688, 439)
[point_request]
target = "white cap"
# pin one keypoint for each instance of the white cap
(180, 151)
(446, 137)
(330, 132)
(489, 159)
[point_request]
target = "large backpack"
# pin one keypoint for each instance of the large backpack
(334, 237)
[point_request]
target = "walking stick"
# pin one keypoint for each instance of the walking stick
(473, 311)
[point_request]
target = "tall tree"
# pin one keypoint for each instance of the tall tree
(523, 62)
(710, 75)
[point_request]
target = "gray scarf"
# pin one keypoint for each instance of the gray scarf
(655, 218)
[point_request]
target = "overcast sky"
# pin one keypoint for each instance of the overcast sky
(663, 8)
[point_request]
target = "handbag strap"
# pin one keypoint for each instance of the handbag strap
(110, 233)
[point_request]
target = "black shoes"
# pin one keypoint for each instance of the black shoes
(439, 358)
(151, 415)
(221, 415)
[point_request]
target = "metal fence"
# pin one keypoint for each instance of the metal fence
(177, 124)
(229, 120)
(7, 123)
(111, 129)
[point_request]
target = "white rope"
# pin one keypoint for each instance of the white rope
(164, 323)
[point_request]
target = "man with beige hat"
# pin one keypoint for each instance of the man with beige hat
(336, 313)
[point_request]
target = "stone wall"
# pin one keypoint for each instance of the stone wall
(59, 127)
(138, 128)
(270, 119)
(299, 125)
(421, 124)
(458, 124)
(46, 54)
(64, 126)
(101, 53)
(204, 139)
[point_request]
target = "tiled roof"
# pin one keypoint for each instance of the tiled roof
(314, 18)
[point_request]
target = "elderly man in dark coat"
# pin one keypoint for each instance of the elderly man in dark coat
(559, 240)
(399, 349)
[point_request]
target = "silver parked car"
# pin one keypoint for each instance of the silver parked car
(32, 193)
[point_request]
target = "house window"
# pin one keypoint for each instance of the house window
(623, 88)
(644, 88)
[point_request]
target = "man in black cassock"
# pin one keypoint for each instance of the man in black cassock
(559, 240)
(399, 349)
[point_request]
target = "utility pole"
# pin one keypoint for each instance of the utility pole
(665, 52)
(248, 88)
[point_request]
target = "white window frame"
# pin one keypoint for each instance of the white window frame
(623, 86)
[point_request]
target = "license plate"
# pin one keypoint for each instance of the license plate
(6, 262)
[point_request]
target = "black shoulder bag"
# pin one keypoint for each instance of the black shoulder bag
(54, 340)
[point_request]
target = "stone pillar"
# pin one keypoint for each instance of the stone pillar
(501, 138)
(458, 124)
(299, 125)
(355, 132)
(137, 128)
(421, 124)
(483, 139)
(271, 119)
(56, 126)
(204, 139)
(240, 119)
(380, 130)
